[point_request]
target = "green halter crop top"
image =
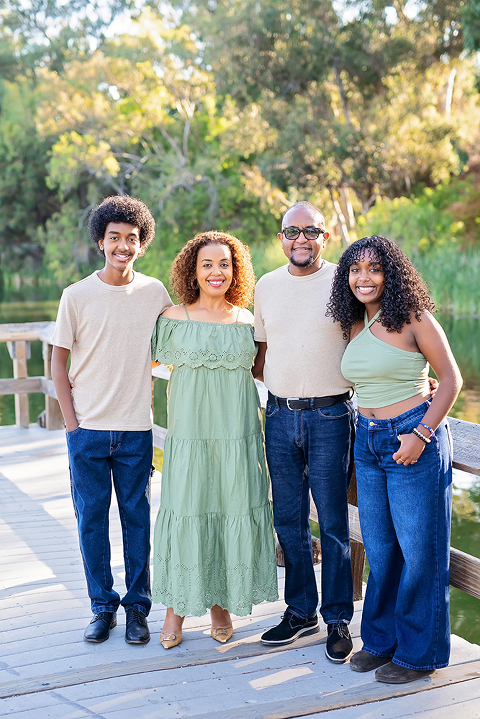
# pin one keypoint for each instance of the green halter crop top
(383, 374)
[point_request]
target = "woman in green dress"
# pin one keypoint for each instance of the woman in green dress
(214, 540)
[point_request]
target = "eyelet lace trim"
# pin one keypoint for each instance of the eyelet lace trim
(230, 349)
(195, 579)
(206, 358)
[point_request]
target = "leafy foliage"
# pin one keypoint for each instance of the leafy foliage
(222, 113)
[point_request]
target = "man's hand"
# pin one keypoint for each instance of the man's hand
(433, 386)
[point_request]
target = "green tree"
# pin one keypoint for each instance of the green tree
(134, 118)
(369, 104)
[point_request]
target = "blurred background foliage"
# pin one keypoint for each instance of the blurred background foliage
(221, 113)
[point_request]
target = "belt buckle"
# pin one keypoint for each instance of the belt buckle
(293, 399)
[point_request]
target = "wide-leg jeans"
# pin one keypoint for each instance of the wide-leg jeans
(311, 449)
(405, 514)
(97, 458)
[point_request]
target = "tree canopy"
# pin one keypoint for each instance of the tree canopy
(220, 113)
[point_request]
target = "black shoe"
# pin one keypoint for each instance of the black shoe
(289, 629)
(339, 643)
(395, 674)
(365, 662)
(136, 631)
(99, 628)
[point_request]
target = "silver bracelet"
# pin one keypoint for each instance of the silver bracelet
(421, 436)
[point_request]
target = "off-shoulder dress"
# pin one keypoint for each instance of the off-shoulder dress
(214, 537)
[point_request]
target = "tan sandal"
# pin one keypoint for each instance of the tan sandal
(170, 640)
(222, 634)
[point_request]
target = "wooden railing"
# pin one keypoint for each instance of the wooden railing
(18, 338)
(464, 569)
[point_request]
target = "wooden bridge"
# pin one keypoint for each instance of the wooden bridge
(47, 670)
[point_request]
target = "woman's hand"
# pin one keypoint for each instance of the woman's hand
(411, 447)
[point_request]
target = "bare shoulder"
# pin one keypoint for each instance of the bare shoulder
(177, 312)
(245, 317)
(426, 323)
(356, 329)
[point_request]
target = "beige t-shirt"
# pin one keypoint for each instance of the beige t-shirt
(108, 331)
(304, 348)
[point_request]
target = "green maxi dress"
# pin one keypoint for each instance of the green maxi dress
(214, 537)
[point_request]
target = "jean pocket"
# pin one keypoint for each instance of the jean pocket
(408, 426)
(335, 411)
(74, 431)
(271, 409)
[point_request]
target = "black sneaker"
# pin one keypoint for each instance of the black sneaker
(289, 629)
(339, 643)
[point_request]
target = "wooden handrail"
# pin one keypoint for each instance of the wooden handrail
(464, 568)
(18, 337)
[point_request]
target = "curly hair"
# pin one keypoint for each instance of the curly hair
(184, 268)
(122, 208)
(404, 290)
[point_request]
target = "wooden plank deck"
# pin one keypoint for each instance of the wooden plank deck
(48, 671)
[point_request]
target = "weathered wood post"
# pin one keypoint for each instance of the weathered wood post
(356, 548)
(19, 351)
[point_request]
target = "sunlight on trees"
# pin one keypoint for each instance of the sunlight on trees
(221, 114)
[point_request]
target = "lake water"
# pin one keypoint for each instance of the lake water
(464, 337)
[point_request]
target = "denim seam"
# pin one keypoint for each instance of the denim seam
(437, 621)
(374, 653)
(126, 553)
(302, 442)
(104, 541)
(303, 554)
(424, 668)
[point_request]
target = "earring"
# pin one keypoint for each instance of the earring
(234, 283)
(195, 284)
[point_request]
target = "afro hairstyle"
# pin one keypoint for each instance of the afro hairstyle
(122, 208)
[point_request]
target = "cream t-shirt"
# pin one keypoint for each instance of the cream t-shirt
(108, 331)
(304, 348)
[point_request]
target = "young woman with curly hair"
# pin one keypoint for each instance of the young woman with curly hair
(403, 457)
(214, 542)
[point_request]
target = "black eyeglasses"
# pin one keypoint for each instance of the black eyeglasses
(310, 233)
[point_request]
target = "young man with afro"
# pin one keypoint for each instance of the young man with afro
(104, 324)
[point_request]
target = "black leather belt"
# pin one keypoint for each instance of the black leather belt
(298, 403)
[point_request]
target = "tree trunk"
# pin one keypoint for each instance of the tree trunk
(347, 206)
(340, 219)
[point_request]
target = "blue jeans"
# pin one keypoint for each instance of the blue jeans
(96, 458)
(405, 519)
(310, 449)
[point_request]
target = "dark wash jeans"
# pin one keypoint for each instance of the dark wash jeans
(311, 449)
(405, 519)
(96, 458)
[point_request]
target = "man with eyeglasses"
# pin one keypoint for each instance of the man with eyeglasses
(309, 431)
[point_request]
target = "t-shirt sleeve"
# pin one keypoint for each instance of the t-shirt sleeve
(164, 303)
(259, 328)
(66, 325)
(165, 300)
